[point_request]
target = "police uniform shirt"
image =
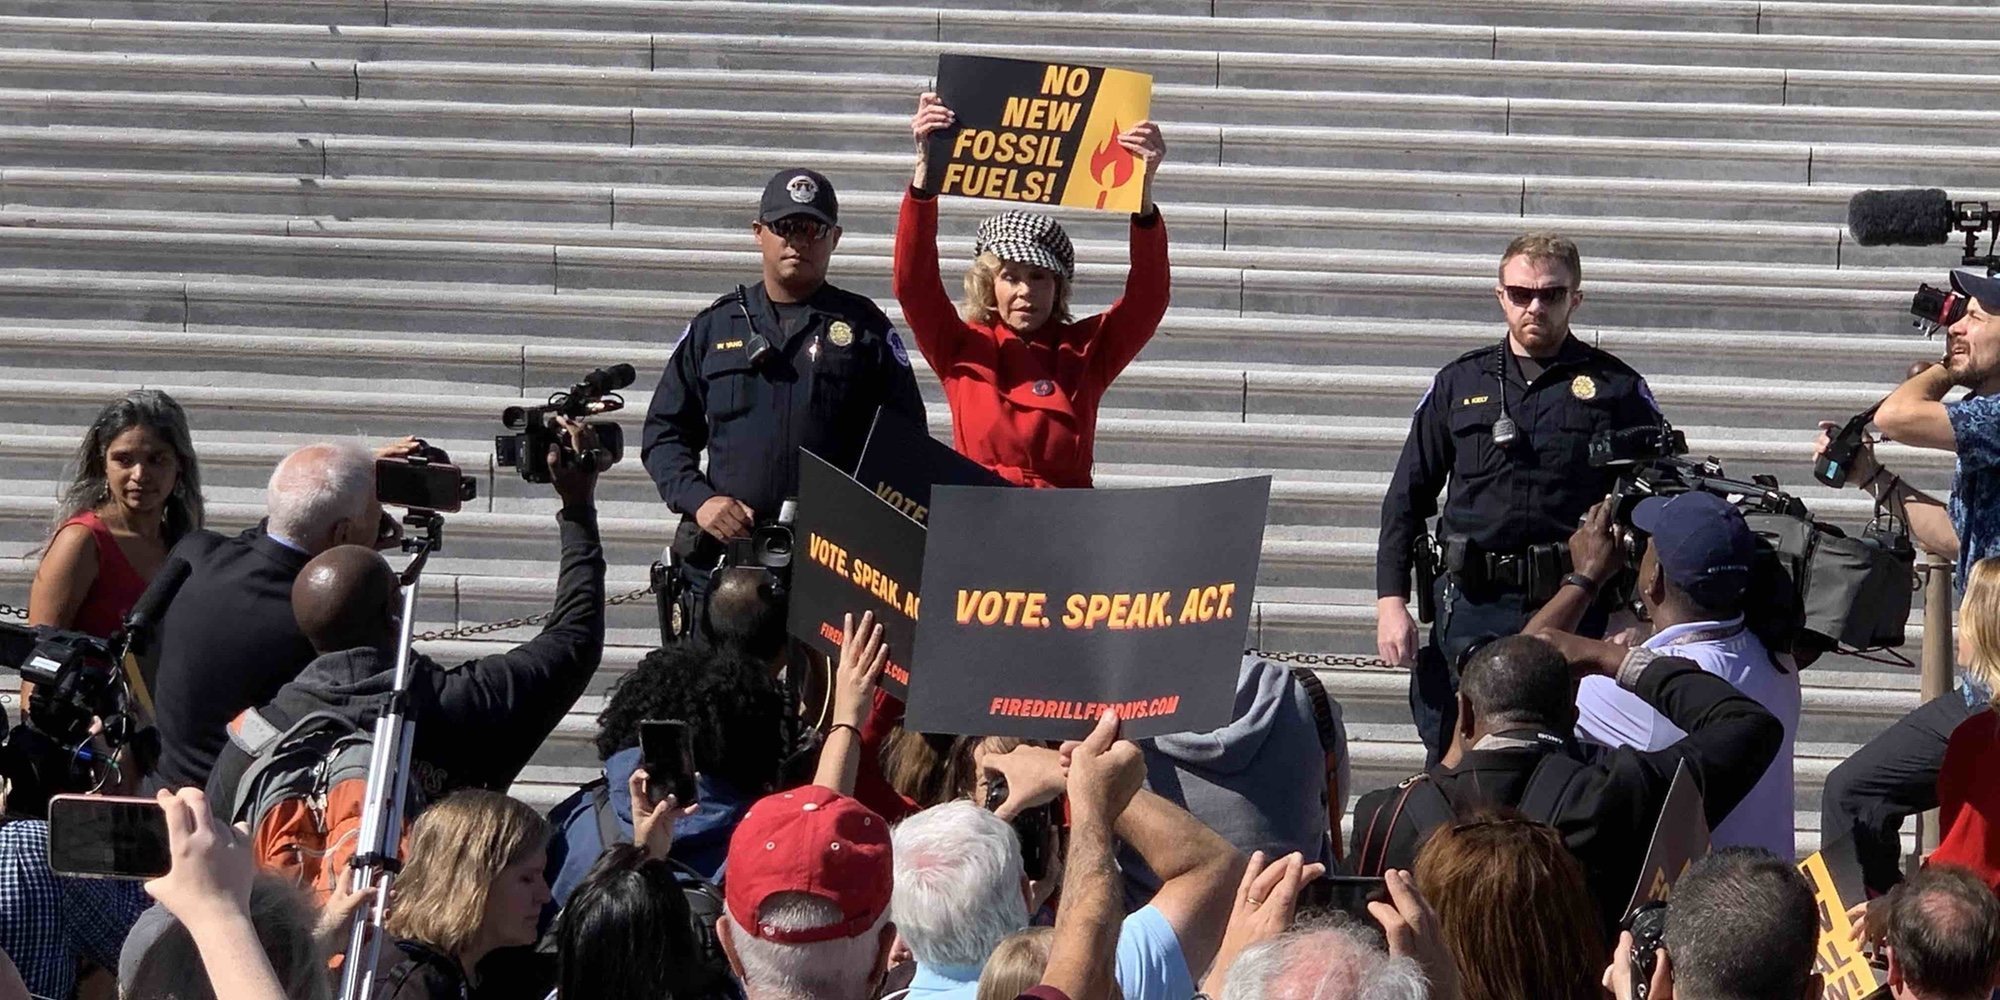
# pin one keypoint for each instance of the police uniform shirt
(1506, 499)
(835, 359)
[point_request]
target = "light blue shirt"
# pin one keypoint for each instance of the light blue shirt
(1149, 960)
(1612, 716)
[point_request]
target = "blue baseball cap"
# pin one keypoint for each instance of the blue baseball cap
(1702, 543)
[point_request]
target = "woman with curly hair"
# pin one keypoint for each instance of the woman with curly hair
(1023, 378)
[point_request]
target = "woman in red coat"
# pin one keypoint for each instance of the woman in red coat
(1023, 379)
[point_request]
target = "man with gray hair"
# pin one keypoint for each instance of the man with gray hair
(1742, 925)
(960, 889)
(1338, 961)
(228, 640)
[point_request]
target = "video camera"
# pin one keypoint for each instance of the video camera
(1916, 217)
(78, 684)
(1813, 588)
(427, 486)
(538, 426)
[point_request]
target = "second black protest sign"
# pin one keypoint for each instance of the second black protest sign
(854, 553)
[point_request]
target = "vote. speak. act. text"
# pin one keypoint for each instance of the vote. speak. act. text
(1116, 612)
(859, 572)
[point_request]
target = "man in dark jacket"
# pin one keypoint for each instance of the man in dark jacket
(478, 724)
(228, 639)
(1517, 707)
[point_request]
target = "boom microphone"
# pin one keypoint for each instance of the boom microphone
(1904, 217)
(146, 611)
(616, 377)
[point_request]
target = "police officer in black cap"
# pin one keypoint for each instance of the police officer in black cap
(788, 362)
(1510, 426)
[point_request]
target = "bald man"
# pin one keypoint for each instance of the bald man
(477, 723)
(228, 641)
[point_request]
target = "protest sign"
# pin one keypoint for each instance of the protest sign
(901, 462)
(853, 554)
(1050, 606)
(1038, 132)
(1680, 839)
(1835, 874)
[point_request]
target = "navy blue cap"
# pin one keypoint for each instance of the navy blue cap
(1975, 285)
(1702, 543)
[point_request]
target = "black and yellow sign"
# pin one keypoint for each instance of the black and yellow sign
(1844, 970)
(901, 462)
(1045, 133)
(1680, 839)
(1049, 606)
(853, 553)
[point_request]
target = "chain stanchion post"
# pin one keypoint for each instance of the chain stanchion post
(1935, 680)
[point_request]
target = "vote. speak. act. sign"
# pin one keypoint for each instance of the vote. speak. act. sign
(1043, 133)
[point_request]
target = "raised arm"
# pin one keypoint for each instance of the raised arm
(863, 654)
(914, 277)
(1132, 320)
(1198, 871)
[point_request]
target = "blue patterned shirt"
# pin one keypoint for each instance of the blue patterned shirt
(50, 922)
(1975, 488)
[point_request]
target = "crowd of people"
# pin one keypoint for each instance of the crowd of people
(826, 851)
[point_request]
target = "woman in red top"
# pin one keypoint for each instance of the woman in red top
(136, 491)
(1024, 380)
(1968, 797)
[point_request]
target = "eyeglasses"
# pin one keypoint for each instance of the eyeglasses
(1522, 296)
(798, 229)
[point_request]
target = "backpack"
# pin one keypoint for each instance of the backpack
(303, 793)
(1422, 805)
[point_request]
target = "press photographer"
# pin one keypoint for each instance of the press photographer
(227, 639)
(480, 722)
(1894, 775)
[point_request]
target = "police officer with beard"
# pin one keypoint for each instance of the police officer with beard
(788, 362)
(1509, 427)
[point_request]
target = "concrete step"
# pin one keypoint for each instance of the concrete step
(1198, 196)
(699, 218)
(1246, 282)
(458, 101)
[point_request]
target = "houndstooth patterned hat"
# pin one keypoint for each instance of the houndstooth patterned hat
(1027, 238)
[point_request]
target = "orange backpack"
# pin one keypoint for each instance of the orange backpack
(303, 794)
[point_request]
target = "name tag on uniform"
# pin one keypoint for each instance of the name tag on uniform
(1474, 400)
(723, 345)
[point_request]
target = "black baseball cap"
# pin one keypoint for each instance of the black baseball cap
(799, 191)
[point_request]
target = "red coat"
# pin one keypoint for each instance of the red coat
(1969, 799)
(990, 372)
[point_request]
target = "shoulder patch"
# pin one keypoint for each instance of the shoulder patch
(896, 347)
(1646, 393)
(678, 338)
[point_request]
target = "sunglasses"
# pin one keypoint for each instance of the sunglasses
(799, 229)
(1523, 296)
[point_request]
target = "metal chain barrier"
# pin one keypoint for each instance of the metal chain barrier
(467, 631)
(470, 631)
(1323, 659)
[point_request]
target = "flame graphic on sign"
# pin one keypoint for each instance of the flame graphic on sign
(1111, 165)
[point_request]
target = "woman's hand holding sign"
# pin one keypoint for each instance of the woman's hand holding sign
(931, 117)
(1145, 142)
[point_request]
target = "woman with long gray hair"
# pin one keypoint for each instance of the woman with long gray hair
(136, 490)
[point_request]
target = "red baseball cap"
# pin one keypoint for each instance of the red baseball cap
(816, 841)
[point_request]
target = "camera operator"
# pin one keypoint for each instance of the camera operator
(788, 362)
(1895, 774)
(1510, 426)
(478, 723)
(228, 639)
(1693, 581)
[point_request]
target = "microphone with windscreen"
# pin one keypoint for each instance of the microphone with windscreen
(1906, 217)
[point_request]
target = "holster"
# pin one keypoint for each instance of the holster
(1424, 559)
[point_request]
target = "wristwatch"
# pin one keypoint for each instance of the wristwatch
(1579, 580)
